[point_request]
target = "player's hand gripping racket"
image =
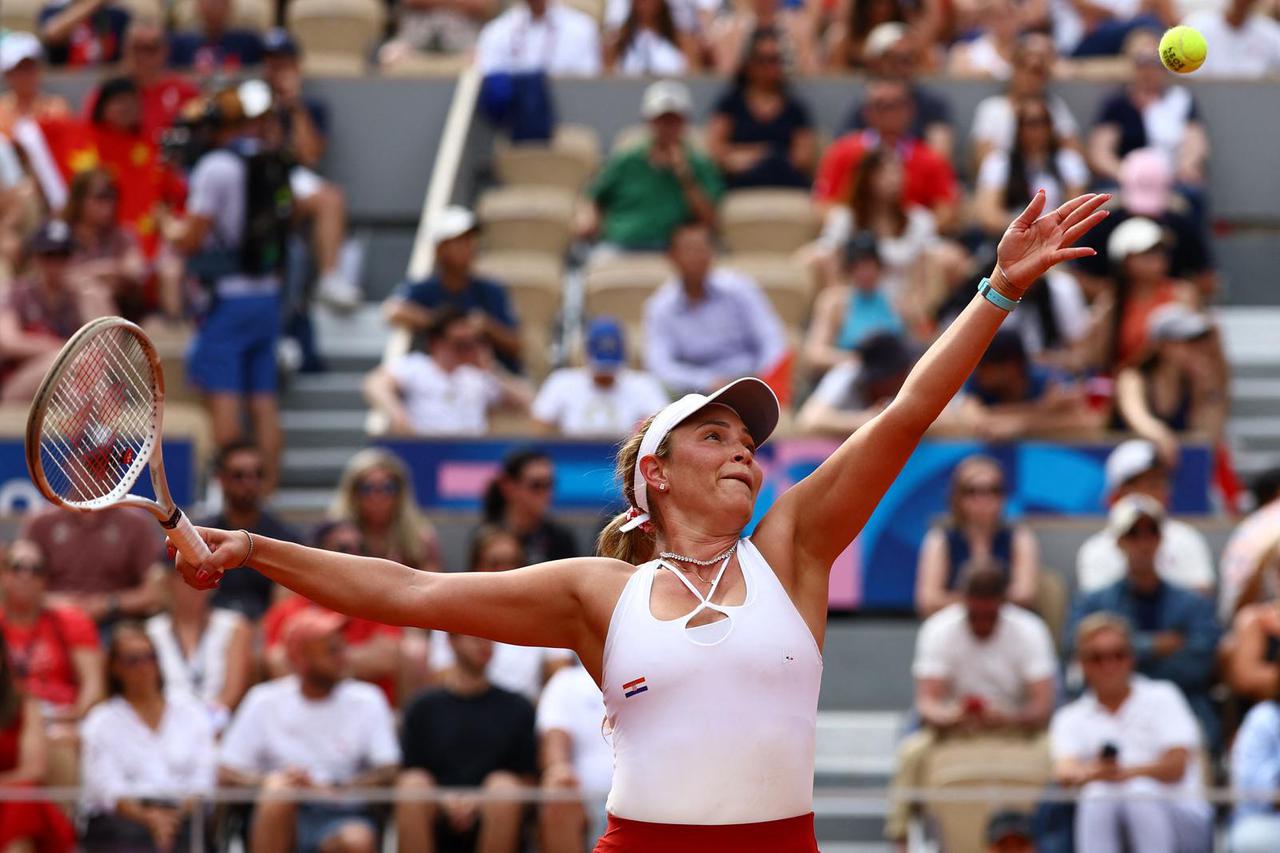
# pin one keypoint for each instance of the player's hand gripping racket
(95, 423)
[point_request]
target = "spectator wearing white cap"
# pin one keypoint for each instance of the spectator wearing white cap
(645, 192)
(21, 58)
(1183, 558)
(454, 284)
(604, 399)
(1180, 386)
(540, 35)
(1175, 632)
(1246, 41)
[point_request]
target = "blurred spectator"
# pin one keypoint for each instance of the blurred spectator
(649, 43)
(905, 234)
(373, 649)
(603, 399)
(794, 24)
(927, 178)
(1180, 386)
(1149, 112)
(216, 45)
(53, 648)
(1246, 42)
(708, 324)
(995, 120)
(20, 61)
(519, 500)
(39, 311)
(1245, 576)
(1175, 633)
(1038, 160)
(1105, 28)
(1251, 650)
(33, 825)
(518, 669)
(146, 50)
(975, 531)
(1255, 777)
(989, 54)
(83, 33)
(1131, 746)
(105, 253)
(454, 284)
(857, 33)
(893, 50)
(466, 733)
(1146, 190)
(448, 387)
(205, 652)
(644, 193)
(982, 666)
(376, 495)
(847, 313)
(761, 134)
(284, 740)
(107, 563)
(540, 35)
(1010, 832)
(1009, 397)
(147, 754)
(304, 120)
(241, 472)
(574, 755)
(1183, 559)
(435, 27)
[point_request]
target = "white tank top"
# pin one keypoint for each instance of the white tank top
(715, 724)
(203, 674)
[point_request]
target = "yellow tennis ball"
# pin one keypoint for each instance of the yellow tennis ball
(1182, 49)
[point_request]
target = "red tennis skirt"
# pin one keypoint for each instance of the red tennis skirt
(789, 835)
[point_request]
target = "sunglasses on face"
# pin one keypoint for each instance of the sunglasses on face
(239, 474)
(768, 58)
(386, 487)
(539, 484)
(137, 659)
(1142, 531)
(1035, 121)
(27, 567)
(886, 104)
(1106, 656)
(992, 491)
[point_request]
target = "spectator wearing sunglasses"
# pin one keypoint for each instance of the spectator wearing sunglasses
(976, 529)
(376, 495)
(519, 500)
(241, 472)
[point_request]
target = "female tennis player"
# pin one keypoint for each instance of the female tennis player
(707, 645)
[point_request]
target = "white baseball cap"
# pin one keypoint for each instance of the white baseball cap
(751, 398)
(1133, 237)
(666, 97)
(454, 221)
(15, 47)
(1129, 459)
(1129, 510)
(882, 37)
(1177, 322)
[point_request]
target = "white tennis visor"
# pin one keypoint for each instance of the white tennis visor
(751, 398)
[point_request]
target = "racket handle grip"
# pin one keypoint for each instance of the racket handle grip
(188, 541)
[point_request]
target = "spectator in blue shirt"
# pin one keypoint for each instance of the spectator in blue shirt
(215, 45)
(1175, 631)
(1255, 773)
(83, 33)
(453, 285)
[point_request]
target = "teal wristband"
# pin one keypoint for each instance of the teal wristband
(995, 297)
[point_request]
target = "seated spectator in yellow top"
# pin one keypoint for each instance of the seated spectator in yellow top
(605, 398)
(20, 61)
(453, 284)
(645, 192)
(83, 33)
(449, 387)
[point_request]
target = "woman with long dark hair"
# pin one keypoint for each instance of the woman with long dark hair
(760, 133)
(648, 44)
(706, 643)
(847, 36)
(519, 501)
(105, 251)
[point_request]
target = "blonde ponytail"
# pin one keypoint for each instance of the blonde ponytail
(635, 546)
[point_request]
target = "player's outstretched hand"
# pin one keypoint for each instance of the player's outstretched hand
(227, 550)
(1033, 243)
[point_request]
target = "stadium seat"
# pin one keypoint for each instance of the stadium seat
(594, 8)
(534, 281)
(1052, 601)
(21, 15)
(525, 218)
(336, 35)
(566, 163)
(784, 281)
(256, 15)
(618, 286)
(767, 220)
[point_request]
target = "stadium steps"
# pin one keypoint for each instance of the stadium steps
(1249, 336)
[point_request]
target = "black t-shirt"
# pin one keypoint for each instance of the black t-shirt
(460, 740)
(930, 109)
(244, 590)
(1189, 245)
(775, 170)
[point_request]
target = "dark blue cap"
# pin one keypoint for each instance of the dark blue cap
(278, 42)
(606, 347)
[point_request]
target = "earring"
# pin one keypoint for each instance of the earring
(662, 487)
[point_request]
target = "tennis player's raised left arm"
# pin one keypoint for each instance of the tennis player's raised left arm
(830, 506)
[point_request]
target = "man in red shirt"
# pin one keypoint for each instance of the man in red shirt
(928, 178)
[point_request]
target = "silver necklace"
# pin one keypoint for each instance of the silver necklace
(681, 558)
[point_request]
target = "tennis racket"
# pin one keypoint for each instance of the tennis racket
(95, 423)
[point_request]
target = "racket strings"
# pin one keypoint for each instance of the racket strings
(99, 419)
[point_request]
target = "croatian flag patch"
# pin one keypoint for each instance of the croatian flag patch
(632, 688)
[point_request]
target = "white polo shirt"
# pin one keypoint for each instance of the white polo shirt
(563, 42)
(1249, 52)
(998, 669)
(572, 402)
(1183, 559)
(443, 402)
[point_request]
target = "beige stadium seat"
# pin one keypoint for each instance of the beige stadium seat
(336, 29)
(532, 219)
(785, 282)
(535, 282)
(256, 15)
(21, 15)
(567, 162)
(594, 8)
(618, 286)
(767, 220)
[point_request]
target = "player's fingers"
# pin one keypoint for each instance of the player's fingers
(1078, 230)
(1071, 254)
(1082, 212)
(1032, 211)
(1069, 206)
